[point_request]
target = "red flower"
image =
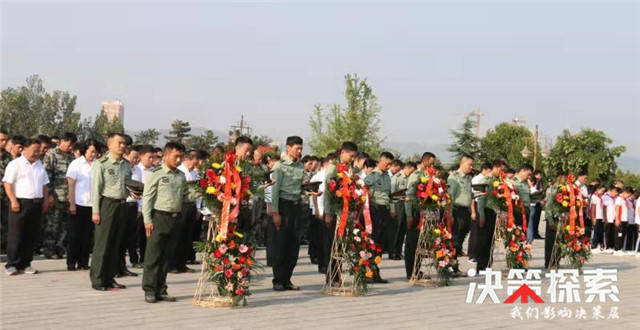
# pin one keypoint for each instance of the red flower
(341, 168)
(225, 261)
(239, 291)
(421, 187)
(495, 192)
(242, 259)
(333, 185)
(203, 183)
(379, 249)
(228, 273)
(217, 254)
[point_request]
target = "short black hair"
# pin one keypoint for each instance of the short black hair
(509, 170)
(349, 146)
(387, 155)
(486, 166)
(128, 141)
(4, 131)
(294, 140)
(18, 139)
(242, 140)
(498, 163)
(157, 149)
(397, 162)
(202, 154)
(370, 163)
(44, 139)
(410, 164)
(467, 156)
(525, 167)
(31, 141)
(306, 158)
(69, 136)
(362, 155)
(536, 172)
(114, 134)
(88, 143)
(583, 173)
(143, 148)
(628, 190)
(427, 155)
(78, 146)
(174, 145)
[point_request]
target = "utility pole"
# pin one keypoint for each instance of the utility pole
(241, 128)
(478, 114)
(535, 147)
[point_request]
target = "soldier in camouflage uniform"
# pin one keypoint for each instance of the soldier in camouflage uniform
(5, 158)
(56, 162)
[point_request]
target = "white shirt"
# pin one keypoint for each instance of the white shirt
(136, 175)
(583, 189)
(27, 178)
(607, 201)
(190, 175)
(80, 171)
(637, 213)
(143, 178)
(630, 213)
(596, 202)
(319, 177)
(478, 179)
(622, 203)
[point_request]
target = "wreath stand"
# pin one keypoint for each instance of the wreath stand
(498, 240)
(339, 282)
(206, 291)
(425, 257)
(556, 258)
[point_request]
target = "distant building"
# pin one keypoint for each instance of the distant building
(113, 110)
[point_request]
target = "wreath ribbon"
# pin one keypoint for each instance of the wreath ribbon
(366, 212)
(231, 177)
(427, 194)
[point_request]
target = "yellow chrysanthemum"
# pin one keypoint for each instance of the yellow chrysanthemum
(219, 238)
(238, 168)
(434, 197)
(211, 190)
(377, 260)
(424, 179)
(340, 175)
(496, 183)
(437, 231)
(239, 234)
(565, 203)
(216, 166)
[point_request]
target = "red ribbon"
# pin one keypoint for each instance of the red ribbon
(507, 196)
(572, 205)
(230, 175)
(368, 227)
(524, 217)
(427, 194)
(346, 195)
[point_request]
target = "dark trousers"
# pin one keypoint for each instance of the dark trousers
(80, 232)
(380, 220)
(4, 224)
(327, 234)
(484, 239)
(598, 234)
(398, 231)
(129, 242)
(550, 241)
(473, 236)
(411, 244)
(24, 227)
(160, 246)
(632, 236)
(141, 238)
(461, 225)
(621, 233)
(314, 234)
(610, 235)
(178, 260)
(195, 236)
(107, 239)
(536, 219)
(284, 249)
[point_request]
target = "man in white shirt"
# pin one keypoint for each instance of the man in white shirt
(479, 179)
(129, 241)
(144, 167)
(608, 202)
(596, 213)
(25, 183)
(632, 226)
(622, 219)
(178, 263)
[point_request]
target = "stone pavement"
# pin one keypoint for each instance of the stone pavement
(58, 299)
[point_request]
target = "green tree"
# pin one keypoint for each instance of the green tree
(588, 150)
(61, 105)
(506, 141)
(206, 140)
(629, 178)
(102, 126)
(358, 122)
(179, 131)
(465, 141)
(148, 136)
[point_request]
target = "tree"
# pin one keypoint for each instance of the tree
(588, 150)
(29, 110)
(506, 141)
(206, 140)
(358, 122)
(179, 131)
(465, 141)
(630, 179)
(148, 136)
(102, 126)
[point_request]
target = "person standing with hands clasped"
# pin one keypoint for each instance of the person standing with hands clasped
(25, 183)
(286, 212)
(108, 195)
(165, 190)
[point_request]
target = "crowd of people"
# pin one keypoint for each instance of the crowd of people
(78, 199)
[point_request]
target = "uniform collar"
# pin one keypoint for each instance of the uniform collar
(377, 170)
(113, 160)
(166, 169)
(5, 154)
(288, 161)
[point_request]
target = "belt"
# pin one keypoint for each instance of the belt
(121, 201)
(170, 214)
(290, 202)
(33, 200)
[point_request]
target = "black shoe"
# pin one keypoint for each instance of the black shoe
(186, 270)
(116, 285)
(314, 261)
(100, 288)
(150, 298)
(322, 270)
(48, 256)
(84, 267)
(137, 265)
(71, 268)
(380, 280)
(166, 297)
(127, 272)
(537, 236)
(291, 287)
(174, 271)
(278, 287)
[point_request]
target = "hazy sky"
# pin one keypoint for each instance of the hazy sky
(560, 66)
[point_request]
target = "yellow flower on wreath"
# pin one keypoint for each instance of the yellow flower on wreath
(369, 273)
(217, 166)
(361, 262)
(239, 234)
(424, 179)
(437, 231)
(211, 190)
(565, 203)
(496, 183)
(377, 260)
(340, 175)
(434, 197)
(238, 168)
(440, 254)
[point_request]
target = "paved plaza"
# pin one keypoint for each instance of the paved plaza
(57, 299)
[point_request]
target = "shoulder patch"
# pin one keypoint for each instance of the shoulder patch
(126, 161)
(104, 159)
(156, 169)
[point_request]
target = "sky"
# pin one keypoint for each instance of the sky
(560, 66)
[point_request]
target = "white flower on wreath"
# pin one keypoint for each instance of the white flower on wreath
(369, 255)
(436, 180)
(357, 239)
(442, 264)
(358, 192)
(363, 255)
(223, 180)
(239, 274)
(440, 190)
(360, 183)
(356, 231)
(229, 286)
(450, 269)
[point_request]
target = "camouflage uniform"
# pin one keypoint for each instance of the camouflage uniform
(56, 163)
(5, 158)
